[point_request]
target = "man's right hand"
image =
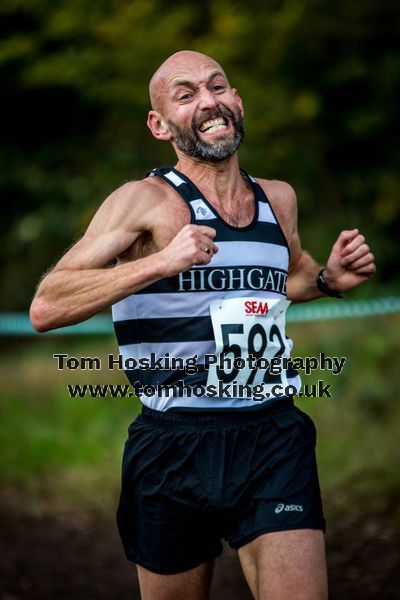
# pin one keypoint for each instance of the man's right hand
(193, 245)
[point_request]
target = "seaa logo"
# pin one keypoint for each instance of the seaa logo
(252, 307)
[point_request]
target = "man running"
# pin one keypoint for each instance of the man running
(206, 257)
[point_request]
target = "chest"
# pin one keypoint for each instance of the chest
(172, 215)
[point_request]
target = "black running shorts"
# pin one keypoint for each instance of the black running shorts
(191, 480)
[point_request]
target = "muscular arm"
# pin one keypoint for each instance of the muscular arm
(350, 262)
(81, 285)
(67, 296)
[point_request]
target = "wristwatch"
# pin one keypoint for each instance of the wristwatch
(323, 286)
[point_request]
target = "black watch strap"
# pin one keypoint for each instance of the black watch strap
(324, 288)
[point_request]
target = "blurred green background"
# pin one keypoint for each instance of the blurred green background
(320, 83)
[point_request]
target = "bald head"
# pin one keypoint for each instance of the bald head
(180, 61)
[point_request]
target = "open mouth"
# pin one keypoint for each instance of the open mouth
(214, 125)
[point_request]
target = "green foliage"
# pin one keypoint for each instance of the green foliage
(51, 443)
(320, 83)
(358, 426)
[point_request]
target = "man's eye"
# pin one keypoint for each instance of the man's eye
(186, 96)
(217, 87)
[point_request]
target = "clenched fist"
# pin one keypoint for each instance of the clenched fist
(350, 262)
(193, 245)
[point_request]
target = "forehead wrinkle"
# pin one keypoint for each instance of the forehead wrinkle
(188, 82)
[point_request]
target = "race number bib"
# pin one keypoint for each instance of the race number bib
(249, 334)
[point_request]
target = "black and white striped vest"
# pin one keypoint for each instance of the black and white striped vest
(171, 318)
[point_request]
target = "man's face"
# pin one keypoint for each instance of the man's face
(203, 113)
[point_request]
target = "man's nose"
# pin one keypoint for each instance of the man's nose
(207, 99)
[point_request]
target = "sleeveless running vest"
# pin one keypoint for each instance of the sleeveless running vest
(171, 319)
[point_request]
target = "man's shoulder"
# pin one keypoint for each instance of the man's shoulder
(147, 189)
(141, 194)
(127, 207)
(282, 198)
(279, 192)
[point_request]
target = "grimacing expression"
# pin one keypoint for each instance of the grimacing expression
(191, 95)
(221, 147)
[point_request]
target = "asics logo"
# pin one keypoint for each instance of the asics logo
(288, 507)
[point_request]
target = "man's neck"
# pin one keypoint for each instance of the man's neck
(221, 182)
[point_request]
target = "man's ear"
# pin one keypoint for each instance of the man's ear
(158, 126)
(239, 100)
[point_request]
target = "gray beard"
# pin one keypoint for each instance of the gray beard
(190, 143)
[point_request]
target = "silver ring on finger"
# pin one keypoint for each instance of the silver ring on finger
(207, 250)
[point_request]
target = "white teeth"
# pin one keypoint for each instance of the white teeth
(215, 128)
(213, 124)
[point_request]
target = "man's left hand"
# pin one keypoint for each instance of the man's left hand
(350, 262)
